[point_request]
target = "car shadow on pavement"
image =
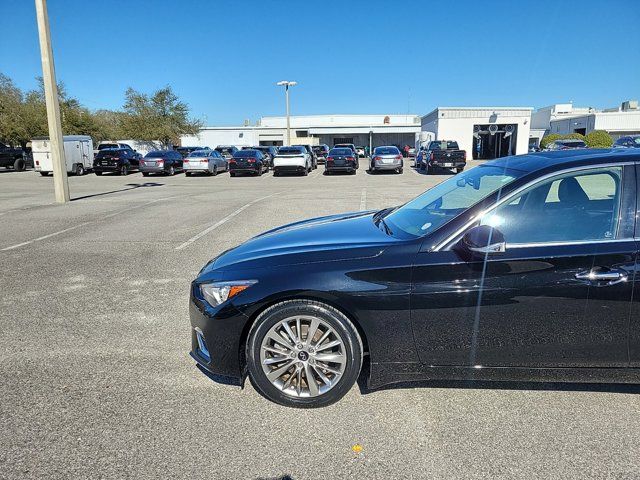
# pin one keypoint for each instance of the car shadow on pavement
(499, 385)
(131, 186)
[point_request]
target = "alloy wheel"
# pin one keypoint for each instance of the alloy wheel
(303, 356)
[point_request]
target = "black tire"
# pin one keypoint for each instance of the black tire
(306, 172)
(79, 170)
(352, 172)
(46, 174)
(145, 174)
(339, 322)
(215, 171)
(172, 171)
(276, 173)
(19, 165)
(232, 174)
(400, 170)
(428, 169)
(187, 174)
(459, 169)
(98, 173)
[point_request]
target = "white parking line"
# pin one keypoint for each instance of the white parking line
(222, 222)
(44, 237)
(363, 199)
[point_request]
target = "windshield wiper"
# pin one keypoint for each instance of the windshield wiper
(387, 230)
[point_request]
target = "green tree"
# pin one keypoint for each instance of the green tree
(598, 139)
(158, 117)
(547, 139)
(11, 101)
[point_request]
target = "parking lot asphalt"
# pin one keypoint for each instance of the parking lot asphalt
(96, 381)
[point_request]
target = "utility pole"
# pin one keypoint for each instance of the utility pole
(60, 181)
(286, 84)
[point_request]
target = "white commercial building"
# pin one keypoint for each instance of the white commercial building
(483, 132)
(364, 130)
(564, 118)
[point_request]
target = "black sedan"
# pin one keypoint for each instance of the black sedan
(341, 160)
(523, 268)
(167, 162)
(248, 161)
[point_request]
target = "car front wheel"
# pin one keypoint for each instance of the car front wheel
(302, 353)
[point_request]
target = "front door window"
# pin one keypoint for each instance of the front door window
(575, 207)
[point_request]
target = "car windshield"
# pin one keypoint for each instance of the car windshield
(573, 143)
(386, 151)
(107, 146)
(224, 150)
(156, 154)
(445, 201)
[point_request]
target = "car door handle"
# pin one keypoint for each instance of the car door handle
(610, 277)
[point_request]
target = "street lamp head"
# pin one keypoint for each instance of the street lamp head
(286, 83)
(282, 83)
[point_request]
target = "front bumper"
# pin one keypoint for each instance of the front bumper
(221, 329)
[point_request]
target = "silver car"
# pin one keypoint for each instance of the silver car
(386, 158)
(208, 162)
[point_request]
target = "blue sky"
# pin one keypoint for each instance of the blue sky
(224, 57)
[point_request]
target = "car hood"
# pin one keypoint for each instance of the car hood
(323, 239)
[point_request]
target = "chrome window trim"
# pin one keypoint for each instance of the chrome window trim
(567, 243)
(442, 244)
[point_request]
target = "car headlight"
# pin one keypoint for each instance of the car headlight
(219, 292)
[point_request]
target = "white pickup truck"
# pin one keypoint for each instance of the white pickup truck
(292, 160)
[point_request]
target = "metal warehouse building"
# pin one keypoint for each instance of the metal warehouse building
(364, 130)
(483, 132)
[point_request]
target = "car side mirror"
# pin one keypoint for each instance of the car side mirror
(480, 242)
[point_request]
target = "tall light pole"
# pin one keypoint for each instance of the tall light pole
(60, 181)
(286, 84)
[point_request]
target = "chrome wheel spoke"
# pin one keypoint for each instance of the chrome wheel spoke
(298, 330)
(313, 328)
(276, 351)
(323, 337)
(335, 343)
(299, 381)
(329, 369)
(322, 376)
(311, 381)
(275, 374)
(330, 357)
(287, 328)
(274, 360)
(280, 340)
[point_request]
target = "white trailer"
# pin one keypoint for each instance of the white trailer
(78, 150)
